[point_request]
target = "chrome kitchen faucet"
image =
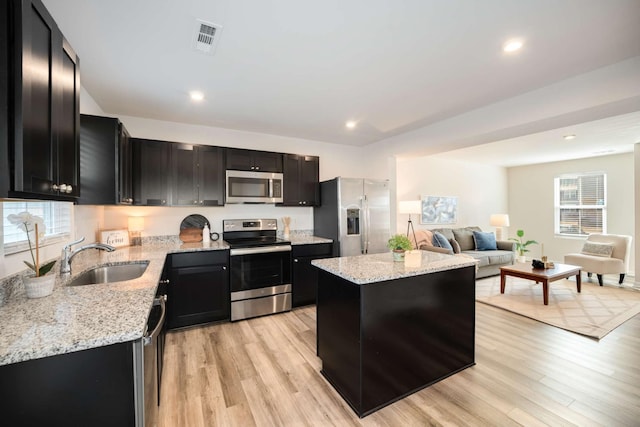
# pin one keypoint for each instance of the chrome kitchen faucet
(68, 254)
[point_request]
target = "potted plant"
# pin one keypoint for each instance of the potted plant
(521, 245)
(399, 243)
(39, 284)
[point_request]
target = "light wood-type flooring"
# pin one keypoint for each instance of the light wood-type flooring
(264, 372)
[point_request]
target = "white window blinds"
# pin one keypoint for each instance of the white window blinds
(580, 204)
(57, 218)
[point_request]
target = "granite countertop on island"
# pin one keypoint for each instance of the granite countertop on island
(372, 268)
(76, 318)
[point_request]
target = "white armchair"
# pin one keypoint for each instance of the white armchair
(603, 254)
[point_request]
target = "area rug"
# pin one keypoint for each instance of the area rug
(594, 312)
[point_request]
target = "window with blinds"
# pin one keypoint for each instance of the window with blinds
(57, 217)
(580, 204)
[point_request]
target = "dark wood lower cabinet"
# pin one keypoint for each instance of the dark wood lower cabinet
(92, 387)
(304, 276)
(198, 290)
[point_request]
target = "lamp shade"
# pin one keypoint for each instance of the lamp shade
(409, 207)
(136, 223)
(499, 220)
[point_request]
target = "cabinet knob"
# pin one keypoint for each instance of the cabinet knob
(195, 202)
(295, 260)
(69, 189)
(164, 202)
(257, 168)
(224, 267)
(55, 187)
(164, 282)
(202, 202)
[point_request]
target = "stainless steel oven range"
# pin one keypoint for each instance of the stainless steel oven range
(260, 273)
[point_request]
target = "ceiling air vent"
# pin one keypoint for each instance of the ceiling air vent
(207, 35)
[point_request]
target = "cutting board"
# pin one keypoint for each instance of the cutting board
(191, 235)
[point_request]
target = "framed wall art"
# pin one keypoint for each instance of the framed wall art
(439, 210)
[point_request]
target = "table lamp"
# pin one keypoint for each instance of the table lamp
(499, 221)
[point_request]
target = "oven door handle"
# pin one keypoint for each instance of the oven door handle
(261, 250)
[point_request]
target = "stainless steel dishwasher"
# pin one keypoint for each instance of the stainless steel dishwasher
(146, 353)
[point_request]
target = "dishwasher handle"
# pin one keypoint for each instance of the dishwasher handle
(148, 338)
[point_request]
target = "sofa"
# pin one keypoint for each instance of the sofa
(463, 241)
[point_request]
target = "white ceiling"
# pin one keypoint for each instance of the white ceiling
(303, 68)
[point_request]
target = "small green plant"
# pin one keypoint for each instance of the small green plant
(521, 245)
(399, 242)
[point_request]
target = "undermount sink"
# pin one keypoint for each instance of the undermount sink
(111, 273)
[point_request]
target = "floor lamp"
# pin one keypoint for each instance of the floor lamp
(410, 207)
(499, 221)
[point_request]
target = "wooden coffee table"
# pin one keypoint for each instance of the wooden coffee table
(544, 275)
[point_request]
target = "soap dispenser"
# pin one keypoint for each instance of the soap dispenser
(206, 234)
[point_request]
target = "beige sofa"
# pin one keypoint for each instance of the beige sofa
(603, 254)
(462, 240)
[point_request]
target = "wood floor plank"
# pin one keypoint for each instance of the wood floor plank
(265, 372)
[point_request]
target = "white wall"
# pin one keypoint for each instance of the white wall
(481, 190)
(531, 201)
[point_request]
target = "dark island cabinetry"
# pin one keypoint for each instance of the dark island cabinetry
(198, 290)
(151, 177)
(105, 162)
(41, 80)
(382, 341)
(304, 276)
(197, 175)
(253, 160)
(301, 180)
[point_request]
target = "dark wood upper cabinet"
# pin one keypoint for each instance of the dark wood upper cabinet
(43, 88)
(301, 180)
(105, 162)
(197, 175)
(151, 177)
(253, 160)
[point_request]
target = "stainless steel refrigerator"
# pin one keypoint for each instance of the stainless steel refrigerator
(355, 213)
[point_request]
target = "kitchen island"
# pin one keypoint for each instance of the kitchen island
(385, 330)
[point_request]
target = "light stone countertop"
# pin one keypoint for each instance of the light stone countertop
(364, 269)
(75, 318)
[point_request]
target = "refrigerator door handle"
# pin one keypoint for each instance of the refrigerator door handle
(367, 218)
(363, 229)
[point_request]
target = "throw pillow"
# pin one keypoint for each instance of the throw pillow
(485, 241)
(464, 237)
(455, 246)
(440, 241)
(597, 249)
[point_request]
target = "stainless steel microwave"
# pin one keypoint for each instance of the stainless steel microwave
(253, 187)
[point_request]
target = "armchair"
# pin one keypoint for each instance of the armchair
(603, 254)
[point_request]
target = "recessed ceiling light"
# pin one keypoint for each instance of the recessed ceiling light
(351, 124)
(569, 137)
(512, 45)
(196, 96)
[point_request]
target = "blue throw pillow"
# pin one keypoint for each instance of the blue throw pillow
(485, 241)
(440, 241)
